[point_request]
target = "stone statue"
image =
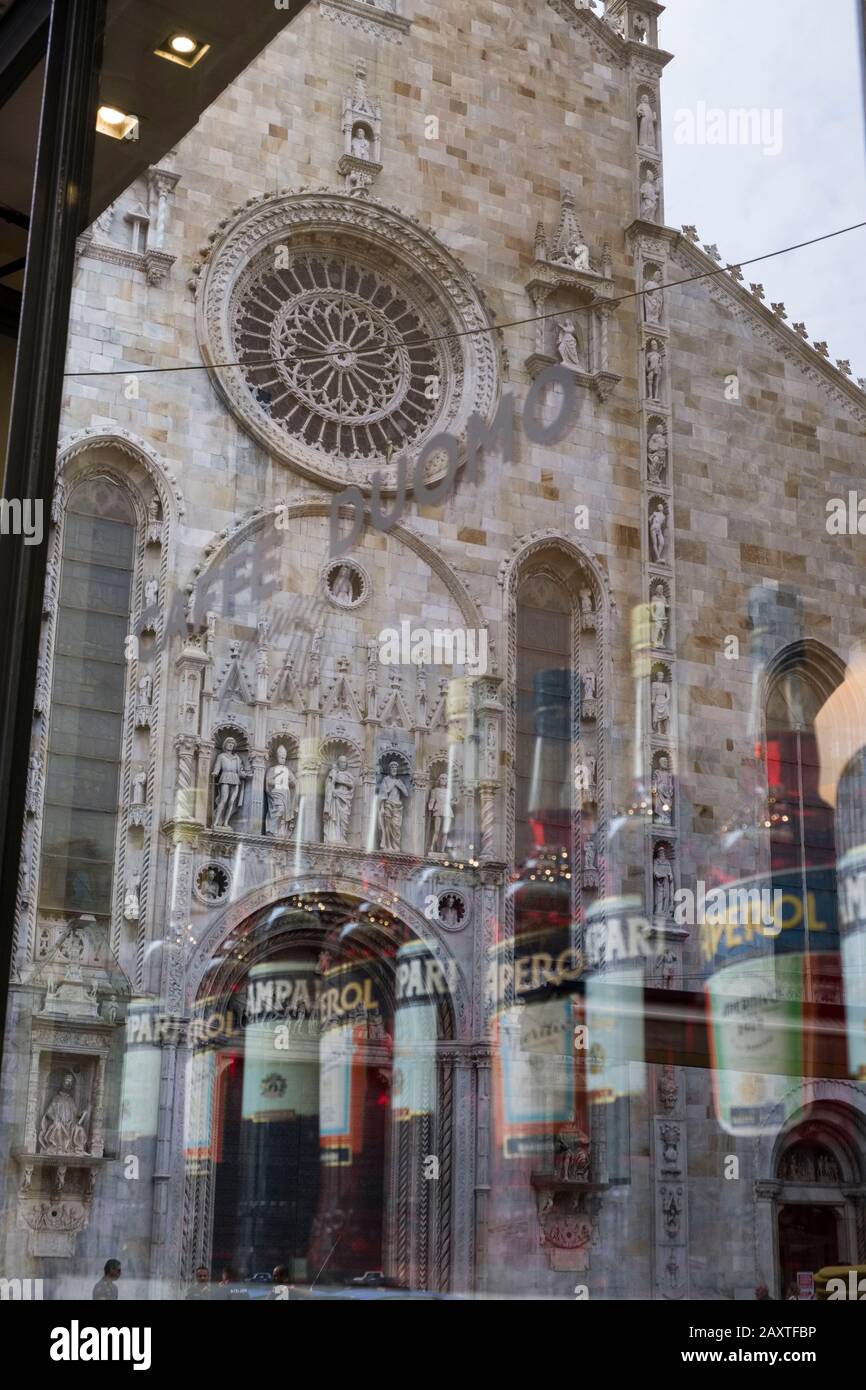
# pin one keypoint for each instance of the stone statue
(639, 29)
(663, 792)
(590, 864)
(567, 345)
(392, 791)
(660, 704)
(339, 793)
(132, 901)
(646, 124)
(151, 593)
(360, 143)
(587, 611)
(145, 689)
(103, 222)
(230, 775)
(587, 681)
(653, 299)
(653, 370)
(341, 585)
(62, 1128)
(657, 454)
(441, 810)
(658, 539)
(139, 788)
(280, 789)
(666, 964)
(658, 615)
(451, 911)
(649, 196)
(663, 884)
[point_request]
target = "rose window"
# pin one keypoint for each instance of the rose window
(343, 335)
(339, 356)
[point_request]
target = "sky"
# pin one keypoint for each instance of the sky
(799, 58)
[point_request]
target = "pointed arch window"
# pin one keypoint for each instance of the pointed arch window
(87, 699)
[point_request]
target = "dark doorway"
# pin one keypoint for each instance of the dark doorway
(808, 1241)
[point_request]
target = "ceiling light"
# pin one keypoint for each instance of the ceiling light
(118, 124)
(183, 49)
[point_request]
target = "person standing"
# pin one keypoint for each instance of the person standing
(199, 1292)
(105, 1290)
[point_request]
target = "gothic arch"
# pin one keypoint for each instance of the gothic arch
(421, 1228)
(572, 568)
(137, 470)
(272, 894)
(218, 550)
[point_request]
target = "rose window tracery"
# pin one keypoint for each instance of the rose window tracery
(339, 356)
(344, 336)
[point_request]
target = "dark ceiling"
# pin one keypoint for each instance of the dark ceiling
(167, 98)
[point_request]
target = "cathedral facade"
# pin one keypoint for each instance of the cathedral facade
(442, 837)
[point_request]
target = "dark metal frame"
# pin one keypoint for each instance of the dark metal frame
(59, 212)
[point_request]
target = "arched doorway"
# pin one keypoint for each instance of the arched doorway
(818, 1172)
(318, 1121)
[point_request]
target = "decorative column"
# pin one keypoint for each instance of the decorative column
(161, 183)
(489, 713)
(653, 638)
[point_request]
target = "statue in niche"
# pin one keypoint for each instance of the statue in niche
(639, 29)
(590, 862)
(653, 370)
(441, 810)
(646, 124)
(392, 791)
(587, 611)
(575, 256)
(663, 884)
(660, 703)
(658, 615)
(587, 681)
(139, 787)
(666, 965)
(360, 143)
(342, 590)
(281, 786)
(658, 538)
(230, 775)
(567, 347)
(649, 196)
(339, 793)
(132, 901)
(653, 299)
(451, 911)
(657, 453)
(71, 947)
(145, 689)
(663, 791)
(151, 593)
(62, 1128)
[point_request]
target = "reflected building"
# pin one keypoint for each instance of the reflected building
(356, 956)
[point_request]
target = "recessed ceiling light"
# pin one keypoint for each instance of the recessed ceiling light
(118, 124)
(183, 49)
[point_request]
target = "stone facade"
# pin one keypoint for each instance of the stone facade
(494, 166)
